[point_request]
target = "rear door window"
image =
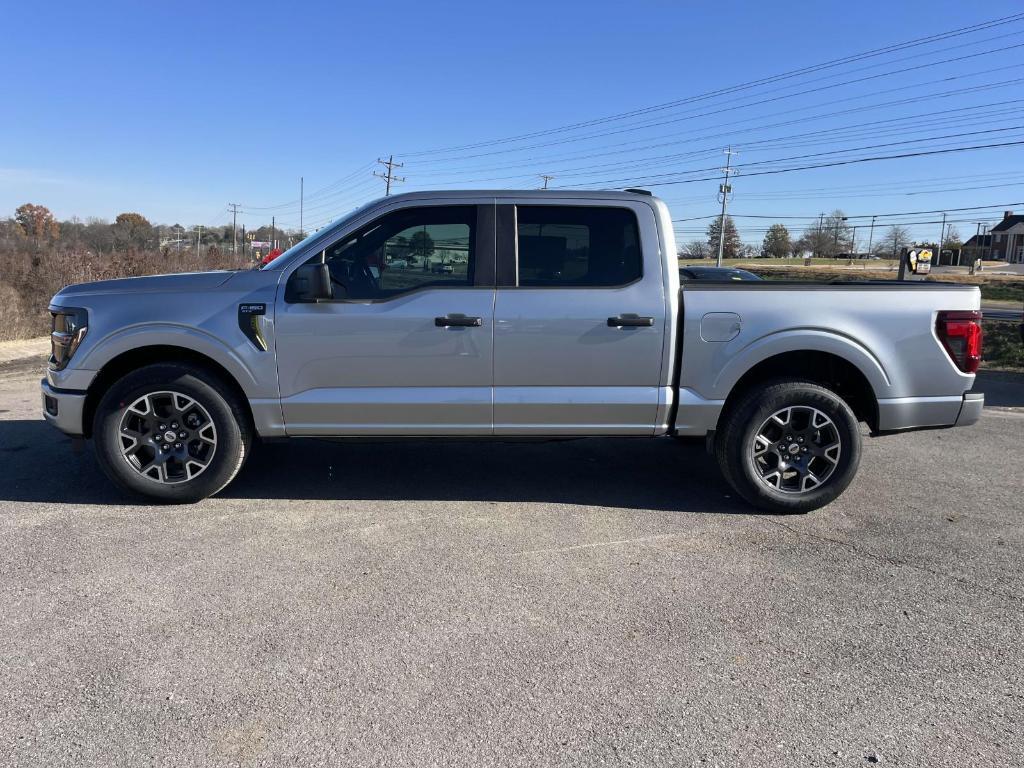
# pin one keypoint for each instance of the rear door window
(577, 246)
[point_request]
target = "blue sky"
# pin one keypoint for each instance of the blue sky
(175, 110)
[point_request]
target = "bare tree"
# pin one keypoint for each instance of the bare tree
(895, 238)
(695, 249)
(952, 241)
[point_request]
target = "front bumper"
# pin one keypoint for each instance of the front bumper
(63, 409)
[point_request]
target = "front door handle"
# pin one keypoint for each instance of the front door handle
(458, 321)
(630, 321)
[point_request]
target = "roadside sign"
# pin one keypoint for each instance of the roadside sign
(915, 263)
(921, 261)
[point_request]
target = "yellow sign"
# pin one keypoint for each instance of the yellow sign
(920, 261)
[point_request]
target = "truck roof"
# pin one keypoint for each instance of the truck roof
(547, 194)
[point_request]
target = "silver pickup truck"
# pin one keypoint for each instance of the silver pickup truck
(505, 315)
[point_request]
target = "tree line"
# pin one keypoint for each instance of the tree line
(130, 230)
(830, 237)
(39, 255)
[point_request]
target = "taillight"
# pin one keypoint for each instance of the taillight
(960, 333)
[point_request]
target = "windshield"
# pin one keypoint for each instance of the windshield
(324, 230)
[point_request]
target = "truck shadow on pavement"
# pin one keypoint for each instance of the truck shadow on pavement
(667, 475)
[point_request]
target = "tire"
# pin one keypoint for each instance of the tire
(789, 446)
(211, 432)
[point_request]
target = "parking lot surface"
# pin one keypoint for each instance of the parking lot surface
(591, 602)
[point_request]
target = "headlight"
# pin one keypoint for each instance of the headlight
(69, 328)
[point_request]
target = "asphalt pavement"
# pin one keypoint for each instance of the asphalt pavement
(590, 602)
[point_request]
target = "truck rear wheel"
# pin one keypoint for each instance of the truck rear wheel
(171, 432)
(789, 447)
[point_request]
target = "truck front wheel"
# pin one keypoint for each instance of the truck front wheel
(171, 432)
(789, 447)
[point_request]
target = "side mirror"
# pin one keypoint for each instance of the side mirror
(309, 283)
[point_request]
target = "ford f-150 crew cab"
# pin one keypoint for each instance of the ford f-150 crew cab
(557, 314)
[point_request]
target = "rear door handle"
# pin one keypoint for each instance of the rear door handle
(630, 321)
(458, 321)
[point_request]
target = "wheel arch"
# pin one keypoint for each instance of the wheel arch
(133, 359)
(826, 369)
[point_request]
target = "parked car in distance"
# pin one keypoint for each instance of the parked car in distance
(568, 319)
(442, 269)
(716, 273)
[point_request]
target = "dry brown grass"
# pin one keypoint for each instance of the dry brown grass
(30, 273)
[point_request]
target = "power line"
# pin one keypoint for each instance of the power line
(994, 206)
(318, 193)
(850, 161)
(588, 170)
(897, 102)
(748, 105)
(887, 184)
(735, 88)
(974, 114)
(354, 192)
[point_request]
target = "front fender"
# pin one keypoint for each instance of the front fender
(116, 343)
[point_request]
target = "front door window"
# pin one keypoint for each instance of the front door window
(429, 247)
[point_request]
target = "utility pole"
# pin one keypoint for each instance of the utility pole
(302, 190)
(389, 176)
(817, 240)
(273, 231)
(199, 238)
(724, 190)
(974, 251)
(853, 246)
(871, 237)
(546, 179)
(234, 228)
(937, 258)
(243, 241)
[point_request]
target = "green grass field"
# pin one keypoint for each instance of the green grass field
(1002, 348)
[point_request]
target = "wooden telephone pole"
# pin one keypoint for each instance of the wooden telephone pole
(389, 175)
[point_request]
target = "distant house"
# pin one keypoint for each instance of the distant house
(1008, 239)
(977, 247)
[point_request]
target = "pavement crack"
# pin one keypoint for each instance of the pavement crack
(896, 561)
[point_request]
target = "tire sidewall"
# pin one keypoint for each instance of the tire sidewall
(777, 397)
(205, 390)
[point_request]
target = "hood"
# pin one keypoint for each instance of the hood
(184, 282)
